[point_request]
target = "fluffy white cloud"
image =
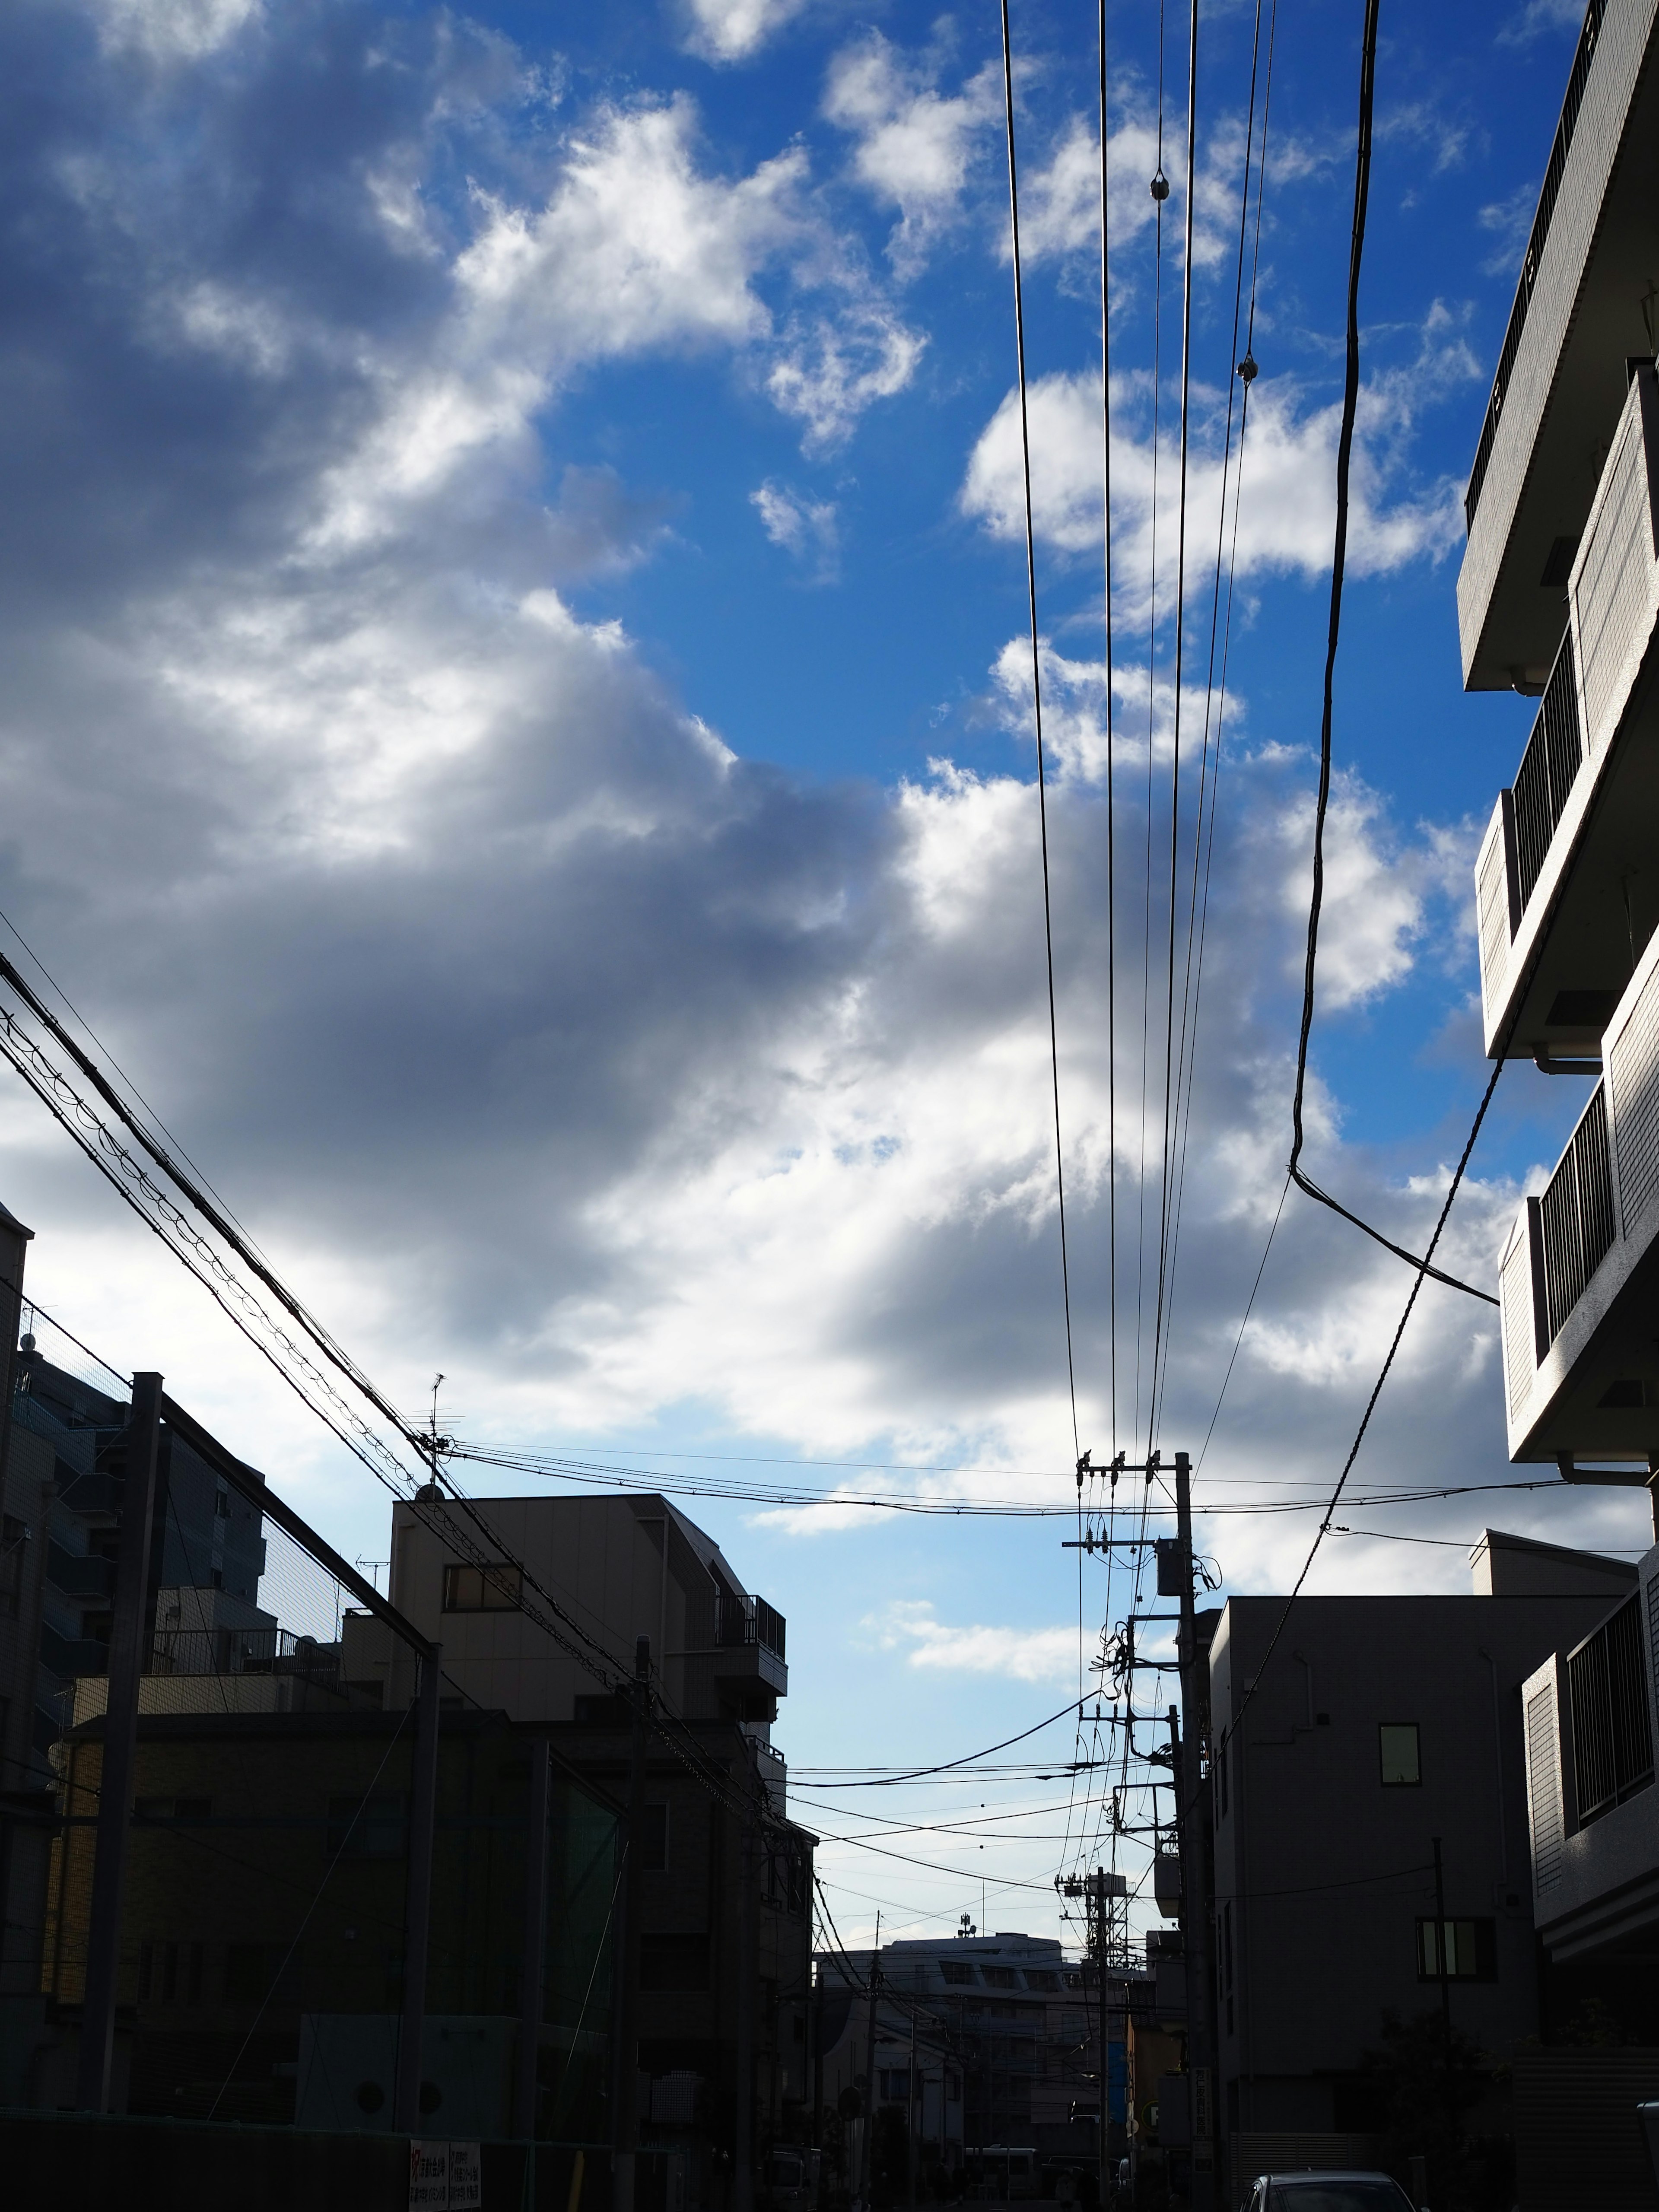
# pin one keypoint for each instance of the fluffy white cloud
(1286, 484)
(731, 30)
(1028, 1655)
(914, 145)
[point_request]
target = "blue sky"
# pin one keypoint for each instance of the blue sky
(515, 734)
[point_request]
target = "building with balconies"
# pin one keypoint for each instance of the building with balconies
(725, 1941)
(1558, 599)
(1593, 1813)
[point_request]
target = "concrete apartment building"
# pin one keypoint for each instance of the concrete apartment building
(1558, 598)
(1381, 1725)
(725, 1997)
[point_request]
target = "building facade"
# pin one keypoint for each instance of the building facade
(1558, 599)
(725, 1878)
(1371, 1826)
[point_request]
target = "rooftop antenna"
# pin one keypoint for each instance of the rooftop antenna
(434, 1443)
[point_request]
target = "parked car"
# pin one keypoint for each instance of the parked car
(1327, 2192)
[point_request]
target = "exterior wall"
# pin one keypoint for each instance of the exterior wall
(622, 1567)
(1323, 1872)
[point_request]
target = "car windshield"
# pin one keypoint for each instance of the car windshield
(1318, 2194)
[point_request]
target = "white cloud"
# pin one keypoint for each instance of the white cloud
(1539, 19)
(805, 528)
(637, 251)
(732, 30)
(1287, 509)
(913, 146)
(174, 30)
(1025, 1655)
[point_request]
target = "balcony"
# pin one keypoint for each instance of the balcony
(1581, 1271)
(1559, 381)
(1592, 1810)
(1565, 889)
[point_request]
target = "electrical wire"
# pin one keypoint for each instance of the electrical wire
(1036, 706)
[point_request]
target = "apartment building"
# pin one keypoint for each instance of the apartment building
(724, 1945)
(1370, 1809)
(1558, 599)
(62, 1475)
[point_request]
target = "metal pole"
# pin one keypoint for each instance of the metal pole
(625, 2128)
(533, 1965)
(1193, 1835)
(126, 1663)
(417, 1905)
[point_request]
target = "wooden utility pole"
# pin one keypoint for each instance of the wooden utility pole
(417, 1908)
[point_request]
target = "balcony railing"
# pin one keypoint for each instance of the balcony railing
(1549, 767)
(241, 1651)
(1611, 1733)
(740, 1620)
(1534, 253)
(1576, 1218)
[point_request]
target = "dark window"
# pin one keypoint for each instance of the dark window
(365, 1828)
(193, 1808)
(1039, 1977)
(673, 1962)
(1399, 1755)
(895, 2085)
(483, 1589)
(222, 1505)
(1471, 1950)
(653, 1839)
(955, 1970)
(1001, 1978)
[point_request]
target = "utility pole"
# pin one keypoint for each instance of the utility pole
(532, 1966)
(418, 1907)
(625, 2128)
(1102, 1948)
(866, 2167)
(126, 1666)
(1192, 1837)
(910, 2120)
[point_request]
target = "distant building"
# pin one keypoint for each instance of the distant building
(1007, 2020)
(61, 1447)
(1382, 1727)
(623, 1568)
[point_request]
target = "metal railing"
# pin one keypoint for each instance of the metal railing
(1575, 1215)
(1612, 1734)
(740, 1620)
(241, 1651)
(1549, 766)
(1534, 253)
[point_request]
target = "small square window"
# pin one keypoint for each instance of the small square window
(1397, 1746)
